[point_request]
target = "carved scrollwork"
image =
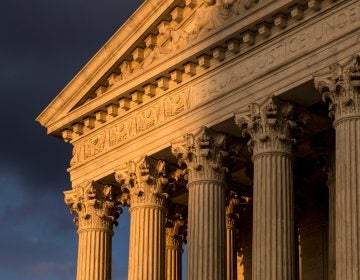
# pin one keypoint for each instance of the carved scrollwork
(144, 182)
(269, 126)
(96, 205)
(341, 89)
(203, 153)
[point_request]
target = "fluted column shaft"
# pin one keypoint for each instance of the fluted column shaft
(332, 226)
(144, 181)
(147, 243)
(273, 221)
(347, 189)
(173, 261)
(206, 234)
(203, 153)
(342, 89)
(97, 210)
(270, 127)
(232, 215)
(94, 255)
(175, 236)
(231, 260)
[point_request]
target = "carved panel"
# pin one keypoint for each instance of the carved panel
(164, 109)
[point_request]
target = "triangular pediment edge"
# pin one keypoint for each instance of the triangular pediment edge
(104, 60)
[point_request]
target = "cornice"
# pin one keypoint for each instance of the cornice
(241, 29)
(184, 94)
(157, 137)
(116, 47)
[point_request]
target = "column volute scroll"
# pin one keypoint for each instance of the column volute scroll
(144, 184)
(204, 153)
(176, 224)
(97, 207)
(235, 206)
(271, 127)
(341, 88)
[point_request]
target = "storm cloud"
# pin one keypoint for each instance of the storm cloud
(43, 44)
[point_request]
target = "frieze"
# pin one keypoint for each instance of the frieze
(133, 124)
(279, 53)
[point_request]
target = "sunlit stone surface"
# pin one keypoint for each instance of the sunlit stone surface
(208, 119)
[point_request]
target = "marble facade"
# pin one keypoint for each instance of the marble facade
(230, 125)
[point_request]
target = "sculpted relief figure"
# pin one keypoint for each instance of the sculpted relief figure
(209, 15)
(214, 13)
(172, 40)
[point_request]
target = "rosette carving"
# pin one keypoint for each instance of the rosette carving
(203, 153)
(341, 89)
(269, 126)
(143, 182)
(96, 205)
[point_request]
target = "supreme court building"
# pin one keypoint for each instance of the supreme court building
(230, 125)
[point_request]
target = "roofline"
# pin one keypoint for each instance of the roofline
(113, 49)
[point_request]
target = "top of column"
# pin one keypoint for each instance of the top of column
(97, 206)
(341, 87)
(269, 126)
(144, 182)
(203, 152)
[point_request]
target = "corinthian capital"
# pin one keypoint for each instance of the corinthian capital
(144, 182)
(96, 206)
(341, 87)
(269, 126)
(176, 227)
(203, 153)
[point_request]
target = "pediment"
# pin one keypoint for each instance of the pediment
(156, 32)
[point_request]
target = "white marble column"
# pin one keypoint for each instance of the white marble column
(97, 211)
(244, 242)
(144, 183)
(269, 127)
(231, 217)
(203, 154)
(331, 231)
(342, 90)
(175, 236)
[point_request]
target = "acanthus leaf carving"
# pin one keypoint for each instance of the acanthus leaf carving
(203, 153)
(96, 205)
(144, 181)
(341, 88)
(270, 126)
(176, 226)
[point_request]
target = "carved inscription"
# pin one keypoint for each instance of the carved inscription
(280, 53)
(132, 125)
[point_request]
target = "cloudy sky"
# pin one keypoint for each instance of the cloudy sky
(43, 44)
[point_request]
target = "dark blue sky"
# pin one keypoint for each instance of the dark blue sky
(43, 44)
